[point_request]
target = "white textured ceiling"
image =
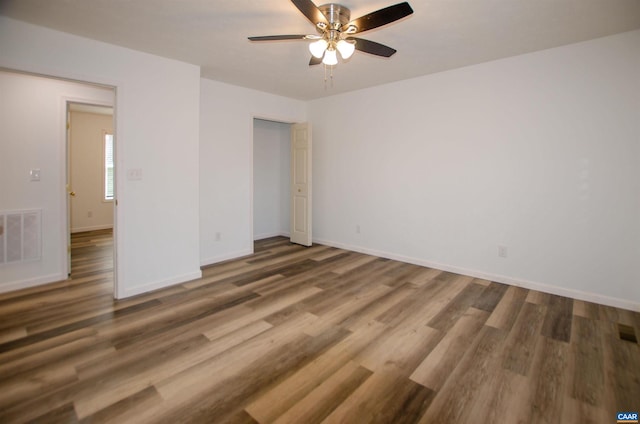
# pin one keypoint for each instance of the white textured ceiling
(440, 35)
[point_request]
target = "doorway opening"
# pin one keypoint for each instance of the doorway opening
(271, 178)
(91, 188)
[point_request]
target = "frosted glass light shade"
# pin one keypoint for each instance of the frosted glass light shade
(317, 48)
(346, 48)
(330, 57)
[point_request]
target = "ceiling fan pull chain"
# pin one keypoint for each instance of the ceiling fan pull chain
(331, 76)
(325, 77)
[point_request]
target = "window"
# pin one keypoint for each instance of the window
(108, 166)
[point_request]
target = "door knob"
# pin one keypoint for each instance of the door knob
(72, 193)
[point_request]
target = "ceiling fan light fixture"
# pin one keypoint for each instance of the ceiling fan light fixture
(330, 57)
(317, 48)
(346, 48)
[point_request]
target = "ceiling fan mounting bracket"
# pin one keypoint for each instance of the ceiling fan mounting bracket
(337, 14)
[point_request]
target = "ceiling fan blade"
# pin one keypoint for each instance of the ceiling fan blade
(278, 37)
(315, 61)
(372, 47)
(382, 17)
(311, 11)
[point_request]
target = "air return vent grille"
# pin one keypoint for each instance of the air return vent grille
(20, 235)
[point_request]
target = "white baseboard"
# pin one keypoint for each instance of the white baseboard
(226, 257)
(94, 228)
(530, 285)
(31, 282)
(132, 291)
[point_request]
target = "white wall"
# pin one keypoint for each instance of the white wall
(89, 210)
(32, 136)
(157, 131)
(539, 153)
(271, 177)
(226, 163)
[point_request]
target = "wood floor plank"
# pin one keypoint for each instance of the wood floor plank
(575, 411)
(550, 382)
(357, 261)
(585, 309)
(622, 368)
(11, 334)
(442, 360)
(522, 339)
(557, 322)
(128, 409)
(318, 334)
(63, 414)
(74, 353)
(385, 397)
(454, 402)
(505, 313)
(322, 401)
(490, 297)
(364, 315)
(424, 276)
(428, 301)
(123, 382)
(457, 307)
(272, 367)
(507, 401)
(400, 348)
(18, 387)
(289, 392)
(588, 376)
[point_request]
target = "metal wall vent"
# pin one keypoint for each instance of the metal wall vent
(20, 235)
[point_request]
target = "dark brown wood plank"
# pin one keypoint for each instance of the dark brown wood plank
(490, 297)
(557, 323)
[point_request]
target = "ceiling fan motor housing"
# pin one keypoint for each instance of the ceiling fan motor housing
(336, 14)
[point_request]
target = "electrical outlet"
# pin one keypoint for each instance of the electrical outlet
(134, 174)
(502, 251)
(218, 236)
(34, 174)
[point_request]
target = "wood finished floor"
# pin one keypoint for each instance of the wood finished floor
(305, 335)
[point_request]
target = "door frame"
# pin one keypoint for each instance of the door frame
(281, 120)
(68, 185)
(66, 202)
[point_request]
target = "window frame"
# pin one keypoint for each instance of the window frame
(104, 167)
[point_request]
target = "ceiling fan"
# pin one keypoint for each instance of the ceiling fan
(336, 29)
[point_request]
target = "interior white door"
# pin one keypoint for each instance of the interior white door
(301, 184)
